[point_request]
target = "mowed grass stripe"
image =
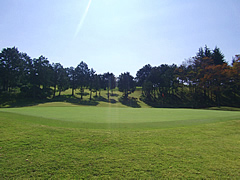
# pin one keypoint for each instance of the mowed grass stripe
(103, 117)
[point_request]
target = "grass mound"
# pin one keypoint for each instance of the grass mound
(119, 118)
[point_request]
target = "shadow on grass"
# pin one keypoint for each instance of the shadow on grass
(74, 100)
(11, 102)
(8, 99)
(130, 101)
(83, 94)
(114, 95)
(100, 98)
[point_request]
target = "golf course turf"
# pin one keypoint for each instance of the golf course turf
(118, 143)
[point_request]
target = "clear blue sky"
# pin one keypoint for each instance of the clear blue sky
(119, 35)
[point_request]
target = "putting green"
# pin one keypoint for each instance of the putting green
(103, 117)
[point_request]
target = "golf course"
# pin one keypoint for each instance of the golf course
(62, 140)
(120, 90)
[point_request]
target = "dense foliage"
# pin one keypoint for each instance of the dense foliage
(203, 80)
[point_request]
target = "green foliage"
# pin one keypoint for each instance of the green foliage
(60, 79)
(10, 66)
(202, 81)
(143, 74)
(159, 82)
(126, 84)
(109, 82)
(82, 76)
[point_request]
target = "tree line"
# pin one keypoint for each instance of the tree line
(37, 78)
(203, 80)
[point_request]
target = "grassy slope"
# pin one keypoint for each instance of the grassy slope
(34, 150)
(113, 99)
(122, 143)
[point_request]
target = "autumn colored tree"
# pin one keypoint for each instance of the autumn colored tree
(235, 76)
(217, 77)
(203, 80)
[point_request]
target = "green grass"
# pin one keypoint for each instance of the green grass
(14, 100)
(120, 118)
(61, 140)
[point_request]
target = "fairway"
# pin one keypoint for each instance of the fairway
(61, 141)
(112, 117)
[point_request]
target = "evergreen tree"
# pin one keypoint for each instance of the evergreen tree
(126, 84)
(142, 74)
(72, 78)
(109, 81)
(217, 56)
(10, 66)
(82, 77)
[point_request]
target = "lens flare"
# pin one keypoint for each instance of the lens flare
(82, 19)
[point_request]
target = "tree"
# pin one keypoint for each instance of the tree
(205, 75)
(235, 76)
(43, 72)
(109, 82)
(102, 83)
(160, 82)
(63, 83)
(56, 79)
(147, 89)
(42, 77)
(82, 76)
(60, 79)
(217, 56)
(72, 78)
(10, 65)
(97, 83)
(204, 53)
(142, 74)
(207, 52)
(26, 70)
(152, 80)
(126, 84)
(181, 74)
(217, 77)
(171, 78)
(91, 81)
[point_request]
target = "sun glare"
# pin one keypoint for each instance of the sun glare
(82, 19)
